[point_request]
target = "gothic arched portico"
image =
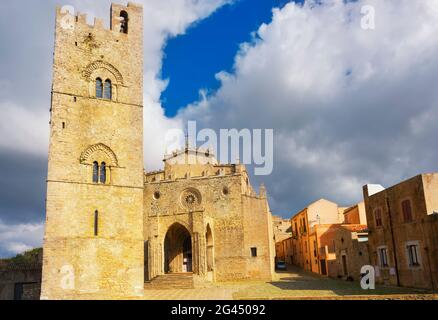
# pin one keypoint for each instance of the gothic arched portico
(178, 256)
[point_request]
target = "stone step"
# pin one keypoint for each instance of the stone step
(171, 281)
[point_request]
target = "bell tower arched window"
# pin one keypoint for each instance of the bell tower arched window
(124, 22)
(108, 90)
(99, 88)
(95, 172)
(103, 172)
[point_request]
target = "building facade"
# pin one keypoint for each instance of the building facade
(282, 228)
(206, 218)
(109, 225)
(350, 247)
(284, 250)
(283, 240)
(321, 212)
(330, 240)
(403, 226)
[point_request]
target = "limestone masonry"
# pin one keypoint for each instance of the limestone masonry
(109, 225)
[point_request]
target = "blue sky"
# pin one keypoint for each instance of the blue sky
(348, 106)
(192, 60)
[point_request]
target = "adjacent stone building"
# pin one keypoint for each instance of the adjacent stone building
(350, 248)
(20, 277)
(403, 231)
(317, 214)
(282, 228)
(204, 217)
(330, 240)
(283, 239)
(109, 225)
(284, 250)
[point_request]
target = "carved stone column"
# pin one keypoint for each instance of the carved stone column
(199, 254)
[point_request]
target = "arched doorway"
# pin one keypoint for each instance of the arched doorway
(210, 248)
(177, 250)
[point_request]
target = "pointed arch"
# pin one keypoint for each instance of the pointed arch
(177, 249)
(87, 155)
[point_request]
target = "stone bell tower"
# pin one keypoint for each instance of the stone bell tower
(93, 244)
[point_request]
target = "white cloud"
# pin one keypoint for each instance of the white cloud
(348, 106)
(17, 238)
(25, 127)
(163, 19)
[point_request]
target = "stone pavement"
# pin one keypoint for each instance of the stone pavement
(293, 284)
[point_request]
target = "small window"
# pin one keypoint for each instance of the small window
(378, 217)
(124, 20)
(383, 257)
(413, 257)
(108, 91)
(99, 88)
(253, 252)
(103, 172)
(407, 211)
(157, 195)
(95, 172)
(96, 223)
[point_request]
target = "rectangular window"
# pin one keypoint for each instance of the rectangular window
(407, 211)
(253, 252)
(383, 256)
(378, 217)
(413, 255)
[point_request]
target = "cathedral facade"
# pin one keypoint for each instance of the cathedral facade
(111, 226)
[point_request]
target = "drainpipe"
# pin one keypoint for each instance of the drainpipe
(393, 242)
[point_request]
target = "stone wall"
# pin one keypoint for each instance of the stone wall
(350, 241)
(239, 220)
(395, 234)
(93, 245)
(12, 277)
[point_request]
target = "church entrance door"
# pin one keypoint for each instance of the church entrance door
(178, 250)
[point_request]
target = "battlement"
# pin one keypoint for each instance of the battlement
(122, 18)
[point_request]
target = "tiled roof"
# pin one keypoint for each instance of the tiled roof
(356, 227)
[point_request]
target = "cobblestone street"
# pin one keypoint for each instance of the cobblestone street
(293, 284)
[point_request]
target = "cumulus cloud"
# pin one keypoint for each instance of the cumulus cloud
(25, 84)
(25, 116)
(349, 106)
(24, 128)
(163, 20)
(18, 238)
